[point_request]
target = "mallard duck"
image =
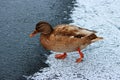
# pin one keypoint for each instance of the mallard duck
(64, 38)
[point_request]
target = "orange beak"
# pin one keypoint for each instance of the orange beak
(33, 33)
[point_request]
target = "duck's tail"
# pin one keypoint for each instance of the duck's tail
(97, 39)
(94, 38)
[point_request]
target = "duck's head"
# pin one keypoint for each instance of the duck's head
(43, 28)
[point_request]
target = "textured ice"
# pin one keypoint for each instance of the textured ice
(102, 59)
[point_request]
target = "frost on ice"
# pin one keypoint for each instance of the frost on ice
(102, 59)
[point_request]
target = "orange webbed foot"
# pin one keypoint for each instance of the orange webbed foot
(61, 56)
(78, 60)
(81, 56)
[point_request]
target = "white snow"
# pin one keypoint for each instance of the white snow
(102, 59)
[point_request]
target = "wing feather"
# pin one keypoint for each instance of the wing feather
(70, 30)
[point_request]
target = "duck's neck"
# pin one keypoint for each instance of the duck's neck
(44, 36)
(44, 39)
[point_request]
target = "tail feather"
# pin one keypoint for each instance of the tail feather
(94, 38)
(97, 39)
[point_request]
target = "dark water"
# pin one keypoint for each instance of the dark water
(19, 54)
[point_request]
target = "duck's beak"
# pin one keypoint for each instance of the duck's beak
(33, 33)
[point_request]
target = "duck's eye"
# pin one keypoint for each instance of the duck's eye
(37, 27)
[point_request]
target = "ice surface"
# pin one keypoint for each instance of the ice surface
(102, 59)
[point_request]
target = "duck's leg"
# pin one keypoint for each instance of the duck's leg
(81, 56)
(61, 56)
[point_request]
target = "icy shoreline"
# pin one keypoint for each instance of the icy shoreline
(102, 59)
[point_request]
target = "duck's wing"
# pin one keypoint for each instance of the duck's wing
(72, 31)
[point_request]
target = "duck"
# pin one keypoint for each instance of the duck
(64, 38)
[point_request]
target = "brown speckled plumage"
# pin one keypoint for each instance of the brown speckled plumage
(64, 37)
(67, 38)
